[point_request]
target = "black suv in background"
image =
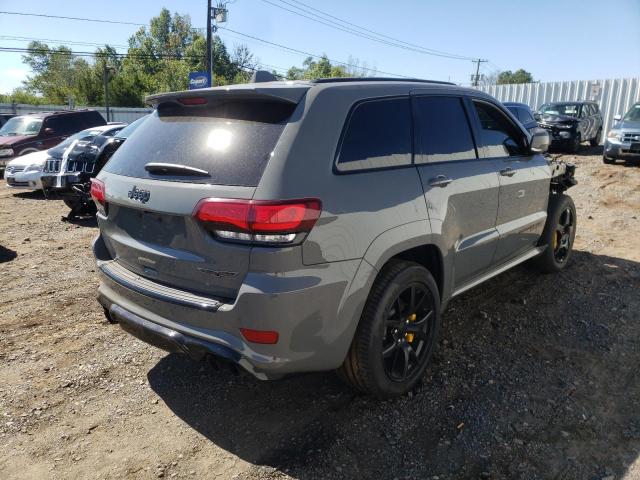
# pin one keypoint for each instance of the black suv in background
(571, 123)
(40, 131)
(69, 169)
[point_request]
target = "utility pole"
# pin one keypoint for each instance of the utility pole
(215, 15)
(208, 59)
(476, 78)
(105, 79)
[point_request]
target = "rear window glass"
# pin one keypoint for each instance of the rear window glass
(232, 142)
(378, 135)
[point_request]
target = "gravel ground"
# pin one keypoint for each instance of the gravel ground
(535, 376)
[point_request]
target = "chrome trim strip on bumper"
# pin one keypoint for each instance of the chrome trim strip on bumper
(146, 287)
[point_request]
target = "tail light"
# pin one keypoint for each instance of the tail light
(98, 193)
(257, 221)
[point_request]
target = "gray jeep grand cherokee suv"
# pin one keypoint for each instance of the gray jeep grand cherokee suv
(318, 225)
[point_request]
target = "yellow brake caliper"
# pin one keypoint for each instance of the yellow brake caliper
(555, 241)
(409, 336)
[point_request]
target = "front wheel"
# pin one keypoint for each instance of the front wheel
(608, 160)
(558, 235)
(397, 332)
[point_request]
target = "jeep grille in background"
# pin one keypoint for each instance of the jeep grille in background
(80, 166)
(52, 166)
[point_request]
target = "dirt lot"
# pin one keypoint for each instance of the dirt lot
(535, 376)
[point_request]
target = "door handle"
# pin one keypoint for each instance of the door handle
(440, 181)
(507, 172)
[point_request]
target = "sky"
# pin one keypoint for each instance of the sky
(552, 39)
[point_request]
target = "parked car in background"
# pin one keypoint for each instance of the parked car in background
(263, 224)
(623, 140)
(571, 123)
(24, 172)
(68, 176)
(4, 118)
(524, 114)
(39, 131)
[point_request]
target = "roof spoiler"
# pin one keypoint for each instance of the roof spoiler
(286, 93)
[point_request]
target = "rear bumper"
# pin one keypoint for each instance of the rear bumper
(314, 311)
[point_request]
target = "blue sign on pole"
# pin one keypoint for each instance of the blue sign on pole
(199, 80)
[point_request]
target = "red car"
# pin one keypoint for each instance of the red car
(40, 131)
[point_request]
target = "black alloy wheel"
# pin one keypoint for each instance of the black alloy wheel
(408, 331)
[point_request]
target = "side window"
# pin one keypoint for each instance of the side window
(525, 116)
(442, 130)
(595, 109)
(56, 124)
(586, 110)
(499, 136)
(377, 135)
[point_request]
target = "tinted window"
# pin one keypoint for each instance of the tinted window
(89, 119)
(525, 116)
(232, 141)
(58, 125)
(586, 110)
(377, 135)
(442, 130)
(514, 111)
(596, 109)
(499, 136)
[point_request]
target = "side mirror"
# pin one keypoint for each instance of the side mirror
(48, 131)
(617, 118)
(539, 141)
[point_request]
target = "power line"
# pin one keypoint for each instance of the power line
(100, 20)
(69, 53)
(452, 55)
(66, 42)
(375, 37)
(154, 56)
(307, 54)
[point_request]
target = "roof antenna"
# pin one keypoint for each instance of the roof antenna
(260, 76)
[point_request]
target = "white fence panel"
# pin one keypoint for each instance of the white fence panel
(615, 95)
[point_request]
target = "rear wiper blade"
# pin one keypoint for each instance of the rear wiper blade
(174, 169)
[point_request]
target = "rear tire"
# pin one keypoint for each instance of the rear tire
(558, 235)
(397, 332)
(595, 141)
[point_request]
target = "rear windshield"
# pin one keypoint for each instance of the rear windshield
(232, 142)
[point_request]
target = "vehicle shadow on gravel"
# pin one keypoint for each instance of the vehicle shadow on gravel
(6, 254)
(31, 195)
(534, 377)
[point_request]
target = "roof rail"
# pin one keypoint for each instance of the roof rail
(376, 79)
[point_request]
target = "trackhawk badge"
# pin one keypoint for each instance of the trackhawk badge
(141, 196)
